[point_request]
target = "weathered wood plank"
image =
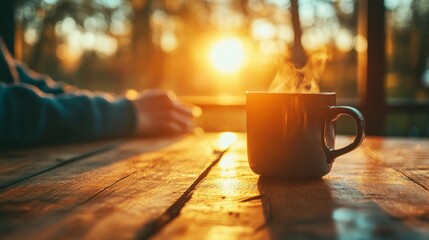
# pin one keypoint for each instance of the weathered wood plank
(226, 205)
(408, 156)
(111, 195)
(361, 198)
(116, 194)
(18, 165)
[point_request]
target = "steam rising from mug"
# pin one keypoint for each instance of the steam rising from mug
(294, 80)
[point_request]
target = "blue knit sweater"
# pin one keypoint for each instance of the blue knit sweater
(36, 110)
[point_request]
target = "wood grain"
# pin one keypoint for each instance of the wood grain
(361, 198)
(18, 165)
(110, 195)
(227, 204)
(190, 188)
(410, 157)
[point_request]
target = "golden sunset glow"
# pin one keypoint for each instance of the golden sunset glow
(226, 139)
(361, 44)
(131, 94)
(228, 165)
(227, 55)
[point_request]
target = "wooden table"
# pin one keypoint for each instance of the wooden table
(200, 187)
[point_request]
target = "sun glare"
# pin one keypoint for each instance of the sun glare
(226, 139)
(227, 55)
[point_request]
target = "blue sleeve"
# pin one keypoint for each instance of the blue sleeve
(43, 82)
(29, 116)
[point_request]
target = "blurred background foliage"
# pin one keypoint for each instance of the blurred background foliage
(120, 44)
(215, 48)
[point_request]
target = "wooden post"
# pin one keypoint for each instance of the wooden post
(371, 66)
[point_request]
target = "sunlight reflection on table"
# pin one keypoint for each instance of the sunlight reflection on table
(226, 139)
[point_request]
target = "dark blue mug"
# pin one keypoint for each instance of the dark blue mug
(292, 135)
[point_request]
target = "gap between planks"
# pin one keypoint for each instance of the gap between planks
(153, 227)
(376, 156)
(104, 148)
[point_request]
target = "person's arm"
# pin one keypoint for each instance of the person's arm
(41, 81)
(29, 116)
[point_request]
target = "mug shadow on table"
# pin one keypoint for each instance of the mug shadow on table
(314, 209)
(297, 209)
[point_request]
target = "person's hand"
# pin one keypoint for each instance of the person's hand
(161, 113)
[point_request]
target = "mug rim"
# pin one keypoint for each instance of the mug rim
(290, 93)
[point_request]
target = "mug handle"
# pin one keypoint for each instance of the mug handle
(333, 113)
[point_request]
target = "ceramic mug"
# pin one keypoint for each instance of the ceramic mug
(292, 135)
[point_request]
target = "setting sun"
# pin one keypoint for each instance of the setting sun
(227, 55)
